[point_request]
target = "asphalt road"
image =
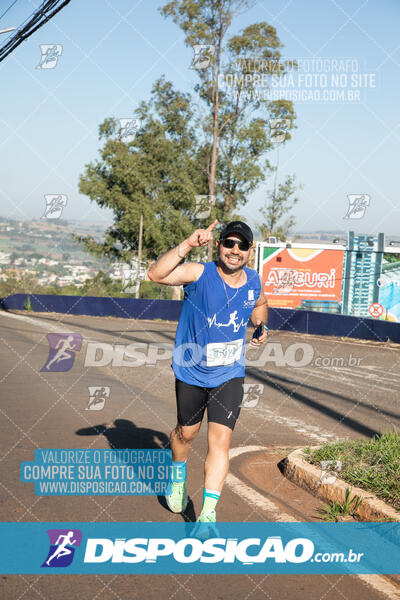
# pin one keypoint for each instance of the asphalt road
(303, 390)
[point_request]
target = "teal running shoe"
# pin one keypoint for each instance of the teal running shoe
(177, 500)
(209, 517)
(205, 527)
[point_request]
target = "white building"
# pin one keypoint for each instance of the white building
(5, 258)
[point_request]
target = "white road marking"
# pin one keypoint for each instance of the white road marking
(372, 368)
(310, 431)
(47, 325)
(251, 496)
(378, 378)
(42, 324)
(257, 500)
(340, 376)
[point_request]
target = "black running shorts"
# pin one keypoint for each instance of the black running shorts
(222, 402)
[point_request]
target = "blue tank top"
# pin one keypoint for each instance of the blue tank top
(210, 337)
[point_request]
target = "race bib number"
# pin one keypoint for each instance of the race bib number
(223, 353)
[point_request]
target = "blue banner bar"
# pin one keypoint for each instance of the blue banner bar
(221, 548)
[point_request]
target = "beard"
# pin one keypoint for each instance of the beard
(232, 267)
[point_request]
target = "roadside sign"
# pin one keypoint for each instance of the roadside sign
(376, 310)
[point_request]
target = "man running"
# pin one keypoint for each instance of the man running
(208, 359)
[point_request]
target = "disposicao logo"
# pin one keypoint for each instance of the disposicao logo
(190, 550)
(62, 351)
(63, 543)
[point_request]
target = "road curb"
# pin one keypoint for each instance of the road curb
(307, 476)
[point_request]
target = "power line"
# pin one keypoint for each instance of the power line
(44, 13)
(4, 13)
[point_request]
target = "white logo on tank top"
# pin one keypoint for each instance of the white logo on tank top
(232, 321)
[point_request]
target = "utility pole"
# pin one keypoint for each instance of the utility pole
(276, 172)
(268, 233)
(139, 258)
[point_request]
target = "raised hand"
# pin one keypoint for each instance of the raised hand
(201, 237)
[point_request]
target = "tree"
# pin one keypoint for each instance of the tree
(211, 143)
(236, 139)
(18, 284)
(157, 175)
(280, 202)
(101, 285)
(390, 258)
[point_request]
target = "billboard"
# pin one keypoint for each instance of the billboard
(389, 289)
(302, 277)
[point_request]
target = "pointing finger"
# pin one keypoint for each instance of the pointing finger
(212, 226)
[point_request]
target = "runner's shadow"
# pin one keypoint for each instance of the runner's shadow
(126, 434)
(188, 515)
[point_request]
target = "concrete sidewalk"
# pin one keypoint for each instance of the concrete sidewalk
(307, 476)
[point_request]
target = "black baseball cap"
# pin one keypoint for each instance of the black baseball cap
(237, 227)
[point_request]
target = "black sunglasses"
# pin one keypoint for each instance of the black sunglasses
(229, 243)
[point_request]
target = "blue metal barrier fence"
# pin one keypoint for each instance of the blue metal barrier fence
(285, 319)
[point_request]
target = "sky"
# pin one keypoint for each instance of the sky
(114, 50)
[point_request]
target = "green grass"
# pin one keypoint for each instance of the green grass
(335, 510)
(28, 305)
(373, 465)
